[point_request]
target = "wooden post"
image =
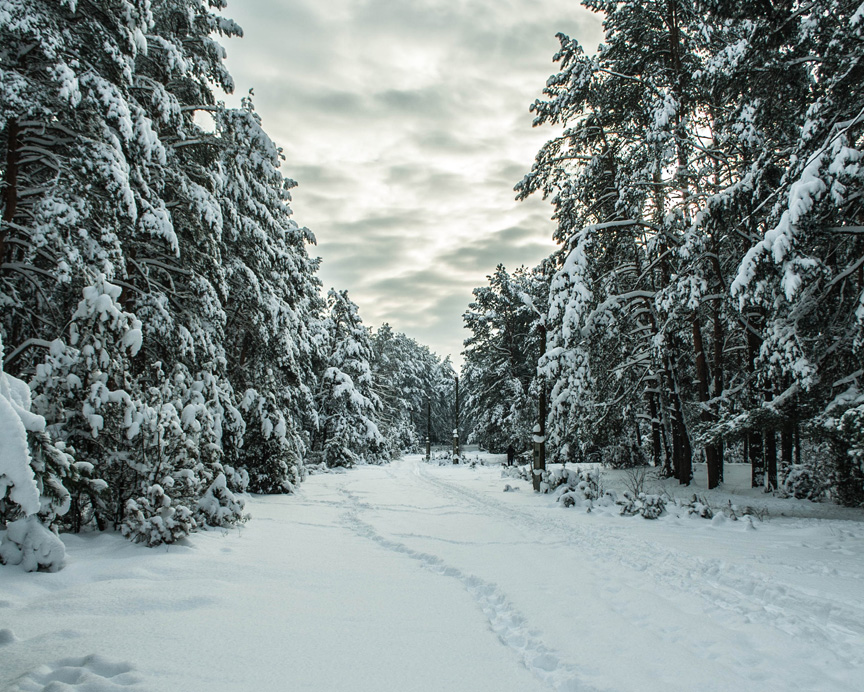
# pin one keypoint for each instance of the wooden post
(456, 429)
(428, 429)
(539, 464)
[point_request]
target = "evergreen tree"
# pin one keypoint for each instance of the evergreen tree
(410, 379)
(348, 407)
(708, 284)
(501, 355)
(31, 471)
(112, 192)
(273, 303)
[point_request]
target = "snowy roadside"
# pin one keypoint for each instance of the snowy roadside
(415, 576)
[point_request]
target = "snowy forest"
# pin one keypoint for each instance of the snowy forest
(706, 301)
(166, 345)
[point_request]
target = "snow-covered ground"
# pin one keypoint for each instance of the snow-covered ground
(415, 576)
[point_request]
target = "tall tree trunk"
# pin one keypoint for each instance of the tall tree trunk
(757, 459)
(655, 427)
(771, 458)
(718, 375)
(787, 440)
(702, 376)
(10, 184)
(682, 454)
(754, 437)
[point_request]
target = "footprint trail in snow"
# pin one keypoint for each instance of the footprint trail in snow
(510, 626)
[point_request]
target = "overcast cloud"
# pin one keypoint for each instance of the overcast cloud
(406, 124)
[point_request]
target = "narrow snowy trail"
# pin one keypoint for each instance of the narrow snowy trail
(419, 577)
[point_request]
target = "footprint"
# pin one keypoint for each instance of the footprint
(504, 620)
(92, 673)
(7, 637)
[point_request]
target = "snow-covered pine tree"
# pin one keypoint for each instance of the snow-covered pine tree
(620, 180)
(70, 196)
(111, 189)
(408, 378)
(348, 407)
(801, 274)
(85, 389)
(273, 302)
(398, 370)
(444, 416)
(501, 355)
(706, 192)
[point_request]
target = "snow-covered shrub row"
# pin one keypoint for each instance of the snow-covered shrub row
(583, 488)
(155, 293)
(706, 299)
(522, 471)
(576, 487)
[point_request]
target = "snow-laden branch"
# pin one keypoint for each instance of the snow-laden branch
(40, 343)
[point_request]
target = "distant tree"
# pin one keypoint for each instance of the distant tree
(348, 407)
(408, 377)
(500, 372)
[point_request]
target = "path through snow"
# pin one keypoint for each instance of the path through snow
(419, 577)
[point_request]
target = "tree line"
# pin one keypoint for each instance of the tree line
(706, 300)
(165, 341)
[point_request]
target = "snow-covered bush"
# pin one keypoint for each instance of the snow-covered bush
(587, 481)
(33, 546)
(576, 487)
(523, 472)
(219, 506)
(698, 507)
(648, 506)
(806, 482)
(29, 485)
(153, 520)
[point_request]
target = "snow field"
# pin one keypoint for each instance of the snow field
(419, 577)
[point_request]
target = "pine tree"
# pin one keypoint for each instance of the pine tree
(273, 303)
(348, 407)
(113, 191)
(501, 355)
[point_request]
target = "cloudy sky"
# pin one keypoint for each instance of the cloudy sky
(406, 124)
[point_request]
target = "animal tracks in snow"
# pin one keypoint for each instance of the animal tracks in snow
(509, 625)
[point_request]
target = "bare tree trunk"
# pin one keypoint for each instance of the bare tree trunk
(787, 439)
(771, 458)
(682, 454)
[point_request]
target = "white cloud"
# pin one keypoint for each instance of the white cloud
(407, 126)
